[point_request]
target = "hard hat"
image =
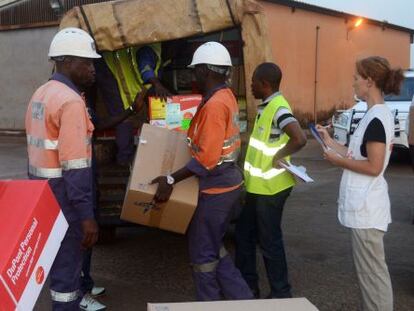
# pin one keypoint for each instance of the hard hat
(212, 53)
(73, 42)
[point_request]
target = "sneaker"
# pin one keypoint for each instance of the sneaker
(90, 304)
(97, 291)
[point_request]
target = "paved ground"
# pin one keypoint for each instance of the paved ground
(147, 265)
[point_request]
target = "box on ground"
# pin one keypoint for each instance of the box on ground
(32, 229)
(176, 113)
(291, 304)
(160, 152)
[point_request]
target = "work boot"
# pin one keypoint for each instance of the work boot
(97, 291)
(88, 303)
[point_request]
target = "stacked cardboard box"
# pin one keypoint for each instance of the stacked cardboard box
(175, 113)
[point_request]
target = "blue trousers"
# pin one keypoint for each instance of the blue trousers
(65, 271)
(214, 273)
(124, 133)
(87, 282)
(260, 221)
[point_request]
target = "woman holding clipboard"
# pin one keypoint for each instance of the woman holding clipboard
(364, 204)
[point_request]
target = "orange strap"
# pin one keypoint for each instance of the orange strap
(221, 190)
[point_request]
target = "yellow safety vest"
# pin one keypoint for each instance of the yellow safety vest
(124, 67)
(260, 177)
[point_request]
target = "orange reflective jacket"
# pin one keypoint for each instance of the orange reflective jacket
(58, 131)
(214, 136)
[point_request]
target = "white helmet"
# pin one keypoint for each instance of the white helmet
(73, 42)
(211, 53)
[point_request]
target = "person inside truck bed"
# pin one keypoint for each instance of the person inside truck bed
(214, 143)
(88, 288)
(120, 76)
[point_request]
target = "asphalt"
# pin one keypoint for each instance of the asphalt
(149, 265)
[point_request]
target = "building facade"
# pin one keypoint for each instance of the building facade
(315, 47)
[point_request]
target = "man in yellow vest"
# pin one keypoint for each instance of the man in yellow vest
(276, 135)
(120, 76)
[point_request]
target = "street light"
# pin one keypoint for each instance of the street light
(57, 7)
(358, 22)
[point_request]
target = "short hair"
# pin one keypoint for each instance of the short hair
(269, 72)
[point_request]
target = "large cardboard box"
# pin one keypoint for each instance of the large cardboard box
(292, 304)
(32, 228)
(176, 113)
(160, 152)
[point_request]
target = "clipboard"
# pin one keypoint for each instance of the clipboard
(318, 137)
(298, 171)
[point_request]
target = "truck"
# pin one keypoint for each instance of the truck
(345, 121)
(181, 26)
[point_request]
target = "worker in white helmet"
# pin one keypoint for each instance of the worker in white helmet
(214, 143)
(59, 149)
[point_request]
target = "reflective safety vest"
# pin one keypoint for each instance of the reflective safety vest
(260, 177)
(214, 135)
(58, 130)
(123, 65)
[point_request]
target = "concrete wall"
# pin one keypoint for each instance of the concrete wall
(24, 67)
(293, 39)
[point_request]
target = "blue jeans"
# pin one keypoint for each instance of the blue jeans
(260, 221)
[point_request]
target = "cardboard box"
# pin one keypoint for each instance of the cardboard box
(160, 152)
(292, 304)
(32, 228)
(175, 114)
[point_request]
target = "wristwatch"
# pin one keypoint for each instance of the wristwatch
(170, 180)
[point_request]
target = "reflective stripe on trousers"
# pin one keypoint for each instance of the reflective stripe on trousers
(64, 297)
(210, 266)
(214, 273)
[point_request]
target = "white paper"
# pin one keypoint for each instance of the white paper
(298, 171)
